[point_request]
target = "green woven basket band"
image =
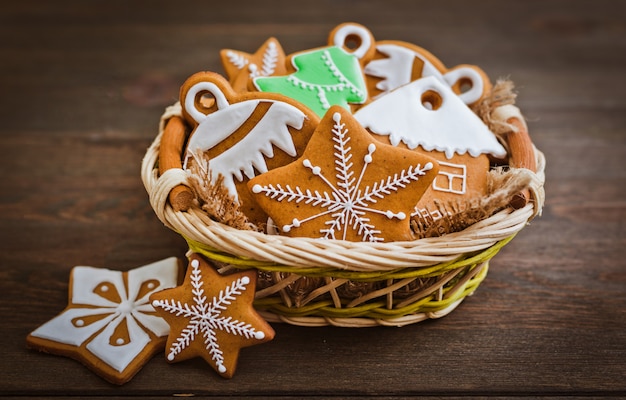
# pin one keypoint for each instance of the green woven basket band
(374, 310)
(474, 265)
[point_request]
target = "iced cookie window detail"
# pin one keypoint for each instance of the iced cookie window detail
(452, 178)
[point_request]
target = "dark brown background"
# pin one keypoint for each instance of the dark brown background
(83, 84)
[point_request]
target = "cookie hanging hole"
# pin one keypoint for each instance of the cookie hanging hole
(207, 101)
(431, 100)
(352, 42)
(200, 97)
(463, 85)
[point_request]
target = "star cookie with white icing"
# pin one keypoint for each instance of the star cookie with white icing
(211, 316)
(109, 324)
(346, 186)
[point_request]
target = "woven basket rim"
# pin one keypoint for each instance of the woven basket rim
(300, 252)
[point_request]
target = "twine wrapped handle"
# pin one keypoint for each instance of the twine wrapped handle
(521, 149)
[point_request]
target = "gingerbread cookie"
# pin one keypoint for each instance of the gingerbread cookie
(109, 324)
(347, 185)
(398, 63)
(242, 67)
(211, 316)
(426, 115)
(326, 76)
(242, 134)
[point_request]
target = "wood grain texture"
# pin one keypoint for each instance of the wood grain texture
(83, 85)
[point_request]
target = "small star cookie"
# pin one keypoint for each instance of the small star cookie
(242, 67)
(211, 316)
(109, 324)
(347, 185)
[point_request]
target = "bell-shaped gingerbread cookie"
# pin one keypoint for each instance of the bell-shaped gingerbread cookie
(242, 134)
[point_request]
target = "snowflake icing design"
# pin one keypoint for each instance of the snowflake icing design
(346, 204)
(206, 318)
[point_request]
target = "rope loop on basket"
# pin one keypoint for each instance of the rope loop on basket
(162, 188)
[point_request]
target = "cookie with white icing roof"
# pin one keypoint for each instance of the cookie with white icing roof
(211, 316)
(109, 324)
(242, 134)
(346, 186)
(428, 117)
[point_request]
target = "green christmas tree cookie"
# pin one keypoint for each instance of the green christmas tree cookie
(323, 78)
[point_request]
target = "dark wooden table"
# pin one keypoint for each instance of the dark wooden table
(83, 85)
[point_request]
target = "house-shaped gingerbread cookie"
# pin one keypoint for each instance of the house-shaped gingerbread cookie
(427, 116)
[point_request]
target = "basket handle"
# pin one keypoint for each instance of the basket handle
(521, 149)
(175, 131)
(172, 142)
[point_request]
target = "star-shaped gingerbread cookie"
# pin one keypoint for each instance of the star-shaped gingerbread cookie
(211, 316)
(109, 324)
(347, 185)
(241, 67)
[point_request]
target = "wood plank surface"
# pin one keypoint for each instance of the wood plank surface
(82, 86)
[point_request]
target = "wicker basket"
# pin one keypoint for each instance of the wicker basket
(314, 282)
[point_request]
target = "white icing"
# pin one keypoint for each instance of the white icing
(270, 60)
(87, 303)
(475, 92)
(236, 59)
(60, 329)
(347, 203)
(90, 280)
(396, 69)
(206, 317)
(354, 30)
(248, 154)
(452, 174)
(451, 128)
(219, 125)
(119, 356)
(192, 94)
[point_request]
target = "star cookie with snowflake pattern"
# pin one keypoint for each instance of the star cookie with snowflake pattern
(211, 316)
(347, 185)
(109, 324)
(242, 67)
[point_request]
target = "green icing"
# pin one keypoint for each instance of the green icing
(323, 78)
